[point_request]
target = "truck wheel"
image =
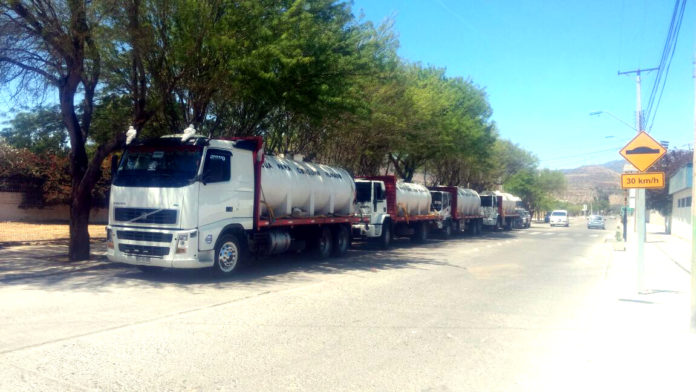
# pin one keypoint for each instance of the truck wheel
(385, 238)
(499, 223)
(228, 255)
(447, 229)
(421, 234)
(341, 240)
(322, 245)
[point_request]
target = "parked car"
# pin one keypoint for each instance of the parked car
(595, 222)
(559, 218)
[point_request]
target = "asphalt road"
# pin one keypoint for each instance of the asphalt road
(500, 312)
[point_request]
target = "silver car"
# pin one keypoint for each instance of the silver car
(595, 222)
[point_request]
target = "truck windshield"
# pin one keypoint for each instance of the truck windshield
(487, 201)
(363, 191)
(437, 200)
(158, 167)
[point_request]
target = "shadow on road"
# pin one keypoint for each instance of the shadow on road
(18, 266)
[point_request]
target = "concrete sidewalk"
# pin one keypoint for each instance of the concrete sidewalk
(644, 338)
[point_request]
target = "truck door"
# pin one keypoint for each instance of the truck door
(379, 197)
(216, 199)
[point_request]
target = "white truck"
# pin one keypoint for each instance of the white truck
(459, 208)
(387, 208)
(499, 210)
(186, 201)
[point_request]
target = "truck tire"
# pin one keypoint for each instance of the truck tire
(447, 229)
(499, 223)
(478, 227)
(341, 240)
(229, 255)
(323, 244)
(421, 234)
(385, 238)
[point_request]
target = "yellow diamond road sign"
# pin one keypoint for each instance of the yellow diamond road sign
(643, 151)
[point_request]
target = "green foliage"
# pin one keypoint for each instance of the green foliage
(304, 74)
(50, 172)
(41, 131)
(536, 187)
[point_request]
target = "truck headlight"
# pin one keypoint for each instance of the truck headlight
(182, 242)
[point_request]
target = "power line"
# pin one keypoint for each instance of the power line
(665, 62)
(583, 154)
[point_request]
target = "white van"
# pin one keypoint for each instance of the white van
(559, 218)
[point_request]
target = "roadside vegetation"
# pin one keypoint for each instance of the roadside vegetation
(307, 75)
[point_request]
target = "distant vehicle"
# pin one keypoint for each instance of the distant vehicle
(525, 218)
(547, 217)
(595, 222)
(559, 218)
(643, 150)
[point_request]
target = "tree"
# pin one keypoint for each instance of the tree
(41, 131)
(536, 187)
(46, 44)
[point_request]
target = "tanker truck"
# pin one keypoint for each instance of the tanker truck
(388, 208)
(499, 210)
(459, 209)
(187, 201)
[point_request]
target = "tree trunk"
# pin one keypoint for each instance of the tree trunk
(79, 233)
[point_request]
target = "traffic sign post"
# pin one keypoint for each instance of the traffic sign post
(642, 152)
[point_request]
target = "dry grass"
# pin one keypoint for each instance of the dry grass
(23, 232)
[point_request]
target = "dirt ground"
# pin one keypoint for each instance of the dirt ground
(12, 232)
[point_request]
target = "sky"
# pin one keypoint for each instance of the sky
(546, 65)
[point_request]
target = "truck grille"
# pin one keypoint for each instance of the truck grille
(139, 250)
(145, 215)
(143, 236)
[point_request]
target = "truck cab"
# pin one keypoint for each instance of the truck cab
(442, 204)
(171, 198)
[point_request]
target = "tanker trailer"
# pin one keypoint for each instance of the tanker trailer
(187, 201)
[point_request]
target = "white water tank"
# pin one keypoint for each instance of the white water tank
(414, 198)
(468, 202)
(302, 189)
(509, 201)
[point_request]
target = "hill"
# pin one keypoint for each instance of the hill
(586, 183)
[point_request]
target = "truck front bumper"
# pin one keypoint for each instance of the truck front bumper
(367, 230)
(156, 248)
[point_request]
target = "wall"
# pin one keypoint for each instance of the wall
(10, 211)
(681, 213)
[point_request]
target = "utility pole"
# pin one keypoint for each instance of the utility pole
(693, 219)
(640, 193)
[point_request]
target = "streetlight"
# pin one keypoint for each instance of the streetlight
(624, 218)
(597, 113)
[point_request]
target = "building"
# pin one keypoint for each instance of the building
(680, 190)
